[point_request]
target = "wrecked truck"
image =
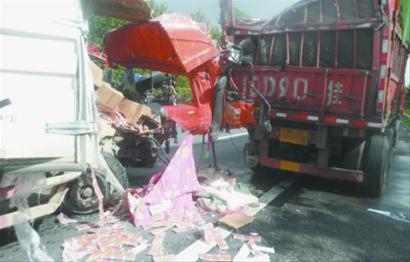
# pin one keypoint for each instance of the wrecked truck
(49, 148)
(333, 74)
(177, 45)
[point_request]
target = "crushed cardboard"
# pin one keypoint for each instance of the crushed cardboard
(109, 97)
(133, 111)
(236, 221)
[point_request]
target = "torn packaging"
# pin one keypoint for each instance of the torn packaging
(156, 247)
(211, 235)
(255, 238)
(215, 257)
(170, 197)
(106, 243)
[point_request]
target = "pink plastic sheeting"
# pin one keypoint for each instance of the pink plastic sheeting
(169, 196)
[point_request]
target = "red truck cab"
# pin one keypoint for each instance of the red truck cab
(333, 73)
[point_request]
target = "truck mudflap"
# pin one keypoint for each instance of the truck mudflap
(303, 168)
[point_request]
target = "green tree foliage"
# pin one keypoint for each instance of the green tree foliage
(100, 25)
(213, 30)
(240, 15)
(157, 9)
(183, 89)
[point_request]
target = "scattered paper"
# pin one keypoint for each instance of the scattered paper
(242, 254)
(215, 257)
(64, 220)
(255, 238)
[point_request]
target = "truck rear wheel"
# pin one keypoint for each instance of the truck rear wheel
(375, 165)
(117, 169)
(81, 198)
(149, 153)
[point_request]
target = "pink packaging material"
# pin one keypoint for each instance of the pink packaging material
(64, 220)
(256, 238)
(113, 243)
(215, 257)
(169, 196)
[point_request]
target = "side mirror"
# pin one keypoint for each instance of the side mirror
(235, 55)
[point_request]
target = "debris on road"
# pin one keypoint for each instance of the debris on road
(113, 242)
(215, 257)
(259, 253)
(255, 238)
(211, 235)
(236, 221)
(64, 220)
(221, 192)
(156, 246)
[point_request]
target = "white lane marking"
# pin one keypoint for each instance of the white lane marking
(192, 252)
(271, 195)
(232, 136)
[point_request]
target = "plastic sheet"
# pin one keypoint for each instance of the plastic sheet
(168, 197)
(28, 238)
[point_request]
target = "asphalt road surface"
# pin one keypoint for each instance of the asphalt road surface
(308, 219)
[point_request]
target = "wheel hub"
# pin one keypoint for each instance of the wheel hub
(86, 192)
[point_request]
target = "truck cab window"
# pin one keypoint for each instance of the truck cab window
(249, 46)
(279, 50)
(310, 49)
(294, 48)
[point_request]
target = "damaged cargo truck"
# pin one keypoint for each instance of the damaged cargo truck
(49, 149)
(333, 73)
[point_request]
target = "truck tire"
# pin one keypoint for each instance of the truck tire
(375, 165)
(396, 131)
(150, 151)
(81, 198)
(116, 168)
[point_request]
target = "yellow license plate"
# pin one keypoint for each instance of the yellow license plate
(294, 136)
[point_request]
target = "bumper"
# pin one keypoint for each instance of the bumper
(332, 173)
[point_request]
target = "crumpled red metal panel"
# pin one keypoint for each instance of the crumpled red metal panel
(195, 118)
(238, 114)
(171, 43)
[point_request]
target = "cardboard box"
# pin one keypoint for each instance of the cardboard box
(109, 97)
(97, 73)
(133, 111)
